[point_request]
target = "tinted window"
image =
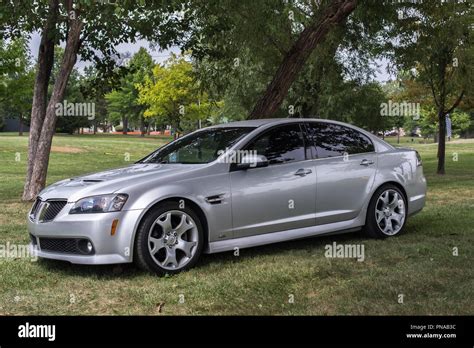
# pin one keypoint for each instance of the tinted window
(280, 145)
(200, 147)
(334, 140)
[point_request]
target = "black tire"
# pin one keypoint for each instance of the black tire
(142, 255)
(371, 228)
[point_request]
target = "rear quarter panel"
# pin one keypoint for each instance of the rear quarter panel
(400, 166)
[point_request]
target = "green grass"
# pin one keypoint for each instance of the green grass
(418, 264)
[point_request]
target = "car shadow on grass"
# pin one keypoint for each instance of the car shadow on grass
(130, 271)
(310, 245)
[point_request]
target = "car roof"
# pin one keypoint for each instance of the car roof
(272, 121)
(275, 121)
(249, 123)
(268, 122)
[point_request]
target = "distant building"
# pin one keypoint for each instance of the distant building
(13, 125)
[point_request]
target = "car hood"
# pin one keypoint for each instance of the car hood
(111, 181)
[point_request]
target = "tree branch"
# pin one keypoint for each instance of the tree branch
(297, 56)
(456, 103)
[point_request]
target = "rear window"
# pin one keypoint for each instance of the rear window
(331, 140)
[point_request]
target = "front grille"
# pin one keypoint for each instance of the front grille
(65, 245)
(46, 210)
(34, 208)
(53, 209)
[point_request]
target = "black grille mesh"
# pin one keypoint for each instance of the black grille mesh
(61, 245)
(34, 208)
(48, 209)
(53, 209)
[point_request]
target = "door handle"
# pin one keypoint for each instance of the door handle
(366, 162)
(303, 172)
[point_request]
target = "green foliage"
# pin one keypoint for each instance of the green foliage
(238, 46)
(94, 86)
(461, 121)
(107, 24)
(173, 96)
(16, 80)
(122, 102)
(435, 39)
(69, 124)
(428, 122)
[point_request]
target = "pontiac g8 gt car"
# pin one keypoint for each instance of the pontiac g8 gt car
(236, 185)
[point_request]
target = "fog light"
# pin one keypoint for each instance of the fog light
(86, 247)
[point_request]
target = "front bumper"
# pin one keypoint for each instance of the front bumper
(108, 248)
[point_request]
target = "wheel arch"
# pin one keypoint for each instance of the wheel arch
(397, 185)
(188, 202)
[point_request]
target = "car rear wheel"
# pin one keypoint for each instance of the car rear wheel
(169, 239)
(387, 212)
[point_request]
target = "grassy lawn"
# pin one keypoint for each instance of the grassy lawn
(418, 264)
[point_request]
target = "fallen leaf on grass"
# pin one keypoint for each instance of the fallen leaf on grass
(160, 306)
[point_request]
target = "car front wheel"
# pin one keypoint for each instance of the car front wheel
(169, 239)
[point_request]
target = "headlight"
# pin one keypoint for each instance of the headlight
(99, 204)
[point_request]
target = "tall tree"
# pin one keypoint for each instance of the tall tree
(77, 23)
(239, 46)
(436, 38)
(123, 100)
(173, 96)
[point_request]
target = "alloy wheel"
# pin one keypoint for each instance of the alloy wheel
(173, 240)
(390, 212)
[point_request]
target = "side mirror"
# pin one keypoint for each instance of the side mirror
(252, 161)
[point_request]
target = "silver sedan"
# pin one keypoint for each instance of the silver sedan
(227, 187)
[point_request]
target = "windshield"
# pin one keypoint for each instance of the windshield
(199, 147)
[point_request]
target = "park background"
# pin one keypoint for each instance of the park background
(152, 71)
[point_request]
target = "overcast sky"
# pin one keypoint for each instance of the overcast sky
(158, 56)
(381, 74)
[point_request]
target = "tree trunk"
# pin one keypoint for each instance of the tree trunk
(398, 135)
(296, 57)
(38, 109)
(40, 168)
(20, 125)
(142, 125)
(441, 141)
(125, 125)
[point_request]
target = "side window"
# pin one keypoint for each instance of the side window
(356, 142)
(333, 140)
(282, 144)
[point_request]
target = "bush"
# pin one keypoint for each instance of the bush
(119, 128)
(68, 124)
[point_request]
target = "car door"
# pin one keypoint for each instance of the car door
(345, 169)
(280, 196)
